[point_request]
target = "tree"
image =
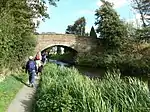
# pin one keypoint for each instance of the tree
(131, 29)
(71, 29)
(36, 8)
(77, 28)
(143, 8)
(109, 26)
(17, 28)
(93, 33)
(80, 26)
(87, 34)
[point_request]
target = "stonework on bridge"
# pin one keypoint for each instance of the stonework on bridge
(78, 43)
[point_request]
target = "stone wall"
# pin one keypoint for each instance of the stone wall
(78, 43)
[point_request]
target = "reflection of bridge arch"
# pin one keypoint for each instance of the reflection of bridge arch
(80, 44)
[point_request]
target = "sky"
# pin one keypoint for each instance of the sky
(68, 11)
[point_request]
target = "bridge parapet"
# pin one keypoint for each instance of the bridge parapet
(79, 43)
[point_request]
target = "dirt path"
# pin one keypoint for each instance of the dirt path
(24, 100)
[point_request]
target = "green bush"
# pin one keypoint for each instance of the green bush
(129, 64)
(62, 57)
(135, 66)
(90, 60)
(16, 35)
(66, 90)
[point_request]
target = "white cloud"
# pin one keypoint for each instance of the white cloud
(117, 3)
(87, 29)
(99, 3)
(137, 16)
(136, 21)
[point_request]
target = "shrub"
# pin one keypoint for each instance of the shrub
(16, 34)
(135, 66)
(62, 57)
(129, 64)
(66, 90)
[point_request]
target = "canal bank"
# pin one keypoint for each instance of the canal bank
(97, 72)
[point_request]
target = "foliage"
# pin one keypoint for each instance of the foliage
(70, 29)
(8, 89)
(134, 60)
(110, 27)
(66, 90)
(78, 28)
(102, 60)
(17, 29)
(118, 40)
(143, 34)
(93, 33)
(142, 7)
(131, 30)
(66, 57)
(134, 64)
(16, 34)
(91, 60)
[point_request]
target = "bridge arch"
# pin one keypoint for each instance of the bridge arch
(59, 45)
(66, 48)
(79, 43)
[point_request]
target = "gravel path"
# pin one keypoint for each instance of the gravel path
(24, 100)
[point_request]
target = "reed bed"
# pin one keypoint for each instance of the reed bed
(66, 90)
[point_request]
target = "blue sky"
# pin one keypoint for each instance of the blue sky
(68, 11)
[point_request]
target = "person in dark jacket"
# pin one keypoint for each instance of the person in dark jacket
(31, 69)
(40, 69)
(44, 58)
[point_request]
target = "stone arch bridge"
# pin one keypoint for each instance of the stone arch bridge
(79, 43)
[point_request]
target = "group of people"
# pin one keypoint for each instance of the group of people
(34, 67)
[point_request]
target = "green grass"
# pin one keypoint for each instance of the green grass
(8, 89)
(65, 56)
(66, 90)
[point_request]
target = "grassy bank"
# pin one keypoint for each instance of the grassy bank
(8, 89)
(129, 64)
(66, 90)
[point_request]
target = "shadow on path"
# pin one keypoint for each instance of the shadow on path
(20, 79)
(25, 98)
(28, 103)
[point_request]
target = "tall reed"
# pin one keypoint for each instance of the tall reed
(66, 90)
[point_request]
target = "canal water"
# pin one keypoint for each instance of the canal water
(94, 72)
(88, 71)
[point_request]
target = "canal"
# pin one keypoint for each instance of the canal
(95, 72)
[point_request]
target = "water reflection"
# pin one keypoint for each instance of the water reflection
(88, 71)
(97, 72)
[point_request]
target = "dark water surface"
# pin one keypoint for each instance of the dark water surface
(96, 72)
(88, 71)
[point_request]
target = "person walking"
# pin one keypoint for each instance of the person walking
(38, 59)
(40, 69)
(44, 59)
(31, 69)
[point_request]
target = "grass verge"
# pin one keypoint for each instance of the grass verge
(66, 90)
(9, 87)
